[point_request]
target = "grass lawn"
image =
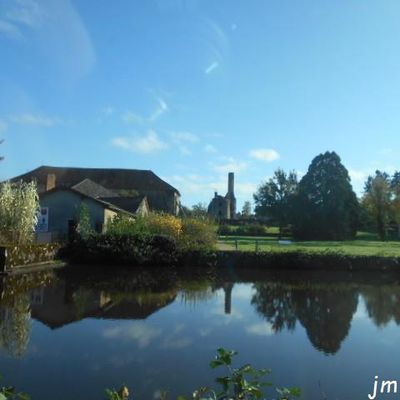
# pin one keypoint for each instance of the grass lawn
(365, 245)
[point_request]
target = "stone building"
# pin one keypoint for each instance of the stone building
(224, 207)
(116, 186)
(104, 192)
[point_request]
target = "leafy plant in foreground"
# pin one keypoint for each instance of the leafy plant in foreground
(244, 383)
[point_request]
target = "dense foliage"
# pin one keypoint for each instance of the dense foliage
(325, 206)
(273, 198)
(19, 208)
(124, 249)
(253, 229)
(382, 201)
(189, 233)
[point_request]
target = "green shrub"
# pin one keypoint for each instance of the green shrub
(190, 234)
(197, 234)
(125, 249)
(243, 230)
(148, 225)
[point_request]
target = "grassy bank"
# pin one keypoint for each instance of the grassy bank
(364, 245)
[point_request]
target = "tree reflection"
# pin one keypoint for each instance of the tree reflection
(325, 313)
(15, 326)
(382, 304)
(275, 303)
(16, 295)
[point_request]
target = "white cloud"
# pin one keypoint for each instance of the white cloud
(56, 31)
(231, 165)
(358, 175)
(212, 67)
(147, 144)
(10, 30)
(267, 155)
(261, 329)
(209, 148)
(35, 120)
(138, 331)
(185, 151)
(132, 118)
(3, 126)
(184, 137)
(107, 111)
(27, 12)
(176, 343)
(192, 184)
(161, 109)
(385, 151)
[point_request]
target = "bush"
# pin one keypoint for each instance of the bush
(188, 233)
(124, 249)
(243, 230)
(197, 234)
(152, 224)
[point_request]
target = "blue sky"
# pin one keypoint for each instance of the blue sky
(193, 89)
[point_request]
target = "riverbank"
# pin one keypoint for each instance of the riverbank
(305, 260)
(359, 247)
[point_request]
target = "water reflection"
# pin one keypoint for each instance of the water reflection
(325, 313)
(324, 305)
(16, 296)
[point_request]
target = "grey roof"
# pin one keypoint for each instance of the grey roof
(105, 204)
(130, 204)
(110, 178)
(93, 189)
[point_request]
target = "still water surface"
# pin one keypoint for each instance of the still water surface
(69, 335)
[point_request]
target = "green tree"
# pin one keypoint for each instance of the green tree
(395, 186)
(199, 210)
(325, 207)
(19, 208)
(273, 198)
(85, 226)
(246, 210)
(377, 200)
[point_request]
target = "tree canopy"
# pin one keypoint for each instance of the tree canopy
(325, 207)
(273, 198)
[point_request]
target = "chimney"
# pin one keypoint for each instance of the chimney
(215, 194)
(51, 182)
(231, 182)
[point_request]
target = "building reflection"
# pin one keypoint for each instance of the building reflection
(64, 304)
(323, 307)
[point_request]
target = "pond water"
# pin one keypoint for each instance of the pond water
(70, 335)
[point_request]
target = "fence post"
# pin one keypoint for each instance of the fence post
(256, 245)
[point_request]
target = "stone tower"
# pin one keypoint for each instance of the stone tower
(231, 194)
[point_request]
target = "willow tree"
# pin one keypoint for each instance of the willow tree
(19, 208)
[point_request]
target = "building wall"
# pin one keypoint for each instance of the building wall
(65, 205)
(219, 207)
(168, 202)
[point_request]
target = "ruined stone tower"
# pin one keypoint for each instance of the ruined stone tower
(224, 207)
(231, 194)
